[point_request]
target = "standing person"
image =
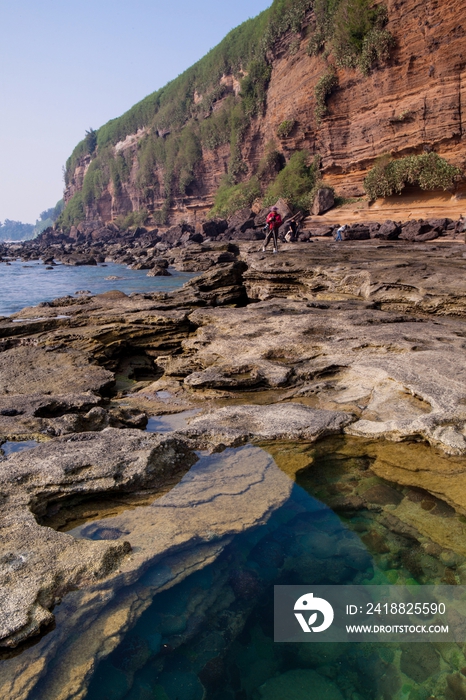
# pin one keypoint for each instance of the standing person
(274, 221)
(339, 232)
(461, 224)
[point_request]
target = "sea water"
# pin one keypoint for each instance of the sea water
(28, 283)
(210, 637)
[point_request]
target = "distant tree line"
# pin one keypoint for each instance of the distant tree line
(17, 231)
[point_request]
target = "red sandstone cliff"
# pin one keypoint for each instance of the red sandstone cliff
(415, 103)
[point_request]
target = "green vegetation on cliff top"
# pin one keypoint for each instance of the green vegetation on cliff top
(179, 121)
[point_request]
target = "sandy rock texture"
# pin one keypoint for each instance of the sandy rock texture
(360, 337)
(39, 565)
(235, 425)
(182, 531)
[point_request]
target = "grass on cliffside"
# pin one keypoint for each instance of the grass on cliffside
(429, 171)
(177, 126)
(196, 112)
(296, 182)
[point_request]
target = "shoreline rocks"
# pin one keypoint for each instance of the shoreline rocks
(364, 338)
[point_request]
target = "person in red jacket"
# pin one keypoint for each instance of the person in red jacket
(274, 221)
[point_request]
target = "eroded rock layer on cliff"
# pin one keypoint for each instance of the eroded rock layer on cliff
(413, 103)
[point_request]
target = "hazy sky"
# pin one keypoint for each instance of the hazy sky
(68, 65)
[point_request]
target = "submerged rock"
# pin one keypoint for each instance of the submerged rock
(300, 684)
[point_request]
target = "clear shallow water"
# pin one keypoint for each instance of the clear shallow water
(210, 637)
(11, 447)
(26, 284)
(169, 422)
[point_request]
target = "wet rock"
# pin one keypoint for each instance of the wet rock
(78, 259)
(394, 524)
(419, 661)
(245, 584)
(375, 542)
(382, 495)
(158, 272)
(299, 684)
(131, 654)
(456, 687)
(213, 673)
(342, 504)
(181, 685)
(55, 562)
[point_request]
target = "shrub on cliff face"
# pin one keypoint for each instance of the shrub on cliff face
(285, 128)
(231, 197)
(375, 49)
(429, 171)
(73, 214)
(132, 220)
(270, 164)
(295, 182)
(353, 31)
(254, 87)
(324, 88)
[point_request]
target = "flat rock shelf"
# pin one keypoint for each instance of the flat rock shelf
(170, 456)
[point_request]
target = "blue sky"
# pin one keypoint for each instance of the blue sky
(66, 66)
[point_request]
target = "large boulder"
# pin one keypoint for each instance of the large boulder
(439, 224)
(324, 200)
(320, 230)
(418, 231)
(241, 220)
(357, 232)
(388, 231)
(173, 236)
(214, 227)
(77, 259)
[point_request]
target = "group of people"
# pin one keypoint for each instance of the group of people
(274, 221)
(272, 225)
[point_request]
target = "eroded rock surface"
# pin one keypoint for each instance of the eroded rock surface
(239, 424)
(39, 565)
(179, 533)
(323, 338)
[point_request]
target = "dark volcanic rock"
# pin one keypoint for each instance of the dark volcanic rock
(241, 220)
(357, 232)
(214, 227)
(323, 201)
(388, 231)
(418, 231)
(173, 235)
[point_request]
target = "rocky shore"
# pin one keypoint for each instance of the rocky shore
(363, 338)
